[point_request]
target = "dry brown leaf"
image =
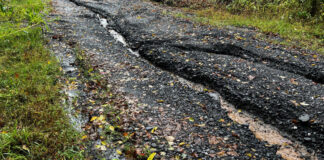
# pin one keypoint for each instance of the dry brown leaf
(293, 81)
(295, 103)
(213, 140)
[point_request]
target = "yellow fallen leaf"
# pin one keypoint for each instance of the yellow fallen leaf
(101, 118)
(84, 137)
(92, 101)
(93, 118)
(160, 101)
(25, 147)
(191, 119)
(221, 120)
(249, 154)
(118, 152)
(154, 129)
(315, 56)
(103, 143)
(151, 157)
(182, 143)
(112, 128)
(101, 147)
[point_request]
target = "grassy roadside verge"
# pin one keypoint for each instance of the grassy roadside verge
(296, 33)
(33, 124)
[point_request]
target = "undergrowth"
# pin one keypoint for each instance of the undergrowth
(33, 124)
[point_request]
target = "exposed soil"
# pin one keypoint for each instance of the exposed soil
(280, 87)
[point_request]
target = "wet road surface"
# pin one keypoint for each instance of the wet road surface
(157, 62)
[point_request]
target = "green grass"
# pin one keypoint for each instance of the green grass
(309, 36)
(33, 124)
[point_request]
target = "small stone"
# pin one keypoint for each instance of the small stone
(307, 139)
(153, 145)
(304, 117)
(149, 128)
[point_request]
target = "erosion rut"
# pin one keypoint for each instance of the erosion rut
(281, 87)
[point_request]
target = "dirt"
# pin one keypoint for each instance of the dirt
(158, 53)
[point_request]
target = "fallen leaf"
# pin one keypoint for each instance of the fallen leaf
(112, 128)
(293, 81)
(249, 154)
(101, 118)
(84, 137)
(151, 157)
(125, 134)
(169, 138)
(92, 101)
(191, 119)
(294, 102)
(154, 129)
(101, 147)
(304, 104)
(213, 140)
(103, 143)
(119, 152)
(25, 148)
(93, 118)
(200, 125)
(16, 75)
(221, 153)
(160, 101)
(182, 143)
(212, 155)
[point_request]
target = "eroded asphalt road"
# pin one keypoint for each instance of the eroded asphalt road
(170, 72)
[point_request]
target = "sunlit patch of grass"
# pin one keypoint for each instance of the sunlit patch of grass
(309, 36)
(33, 124)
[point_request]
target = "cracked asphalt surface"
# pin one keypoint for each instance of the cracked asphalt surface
(283, 88)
